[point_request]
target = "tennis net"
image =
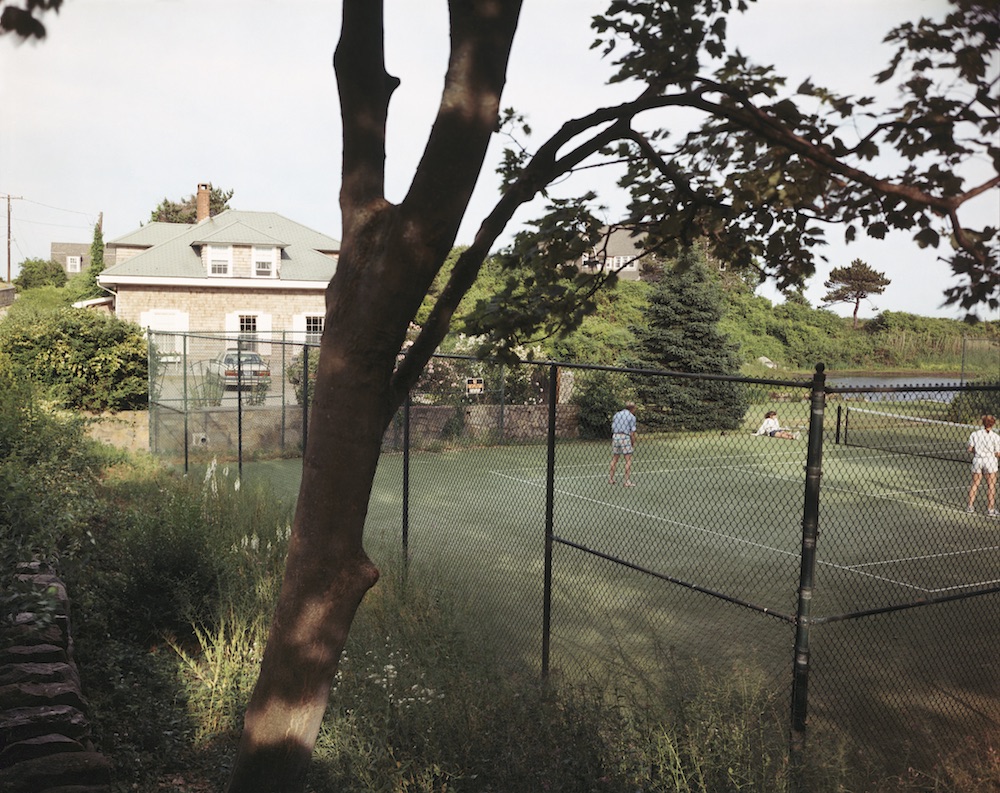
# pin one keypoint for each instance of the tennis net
(902, 434)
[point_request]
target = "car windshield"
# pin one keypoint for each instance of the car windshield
(245, 358)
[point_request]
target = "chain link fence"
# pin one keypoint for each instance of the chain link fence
(833, 562)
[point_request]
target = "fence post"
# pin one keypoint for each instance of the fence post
(807, 573)
(284, 370)
(406, 485)
(550, 478)
(503, 401)
(305, 396)
(239, 410)
(187, 426)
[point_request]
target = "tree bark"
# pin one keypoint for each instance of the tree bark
(389, 257)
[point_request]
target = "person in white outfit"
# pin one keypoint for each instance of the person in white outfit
(984, 446)
(772, 428)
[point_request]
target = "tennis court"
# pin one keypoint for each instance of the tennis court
(723, 512)
(697, 567)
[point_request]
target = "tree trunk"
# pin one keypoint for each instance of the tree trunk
(388, 260)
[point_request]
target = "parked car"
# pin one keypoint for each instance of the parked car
(254, 370)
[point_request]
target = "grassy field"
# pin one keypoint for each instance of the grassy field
(723, 513)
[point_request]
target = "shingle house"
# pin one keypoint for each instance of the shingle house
(251, 274)
(74, 257)
(617, 250)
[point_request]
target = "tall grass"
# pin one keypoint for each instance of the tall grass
(172, 613)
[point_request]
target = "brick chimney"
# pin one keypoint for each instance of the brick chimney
(202, 203)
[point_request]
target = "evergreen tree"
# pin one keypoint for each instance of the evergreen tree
(186, 210)
(682, 335)
(854, 284)
(90, 287)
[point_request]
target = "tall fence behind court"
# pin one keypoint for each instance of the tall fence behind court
(839, 570)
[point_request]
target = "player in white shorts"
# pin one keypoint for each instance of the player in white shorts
(984, 446)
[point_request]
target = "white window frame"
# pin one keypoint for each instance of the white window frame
(300, 327)
(168, 321)
(74, 264)
(262, 340)
(314, 336)
(259, 255)
(222, 256)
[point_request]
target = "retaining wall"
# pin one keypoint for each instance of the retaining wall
(45, 737)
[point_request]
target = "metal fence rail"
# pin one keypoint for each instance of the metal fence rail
(838, 566)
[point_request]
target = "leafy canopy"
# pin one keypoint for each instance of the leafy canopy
(186, 210)
(854, 284)
(772, 168)
(20, 19)
(37, 273)
(83, 359)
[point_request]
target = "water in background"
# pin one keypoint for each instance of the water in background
(934, 390)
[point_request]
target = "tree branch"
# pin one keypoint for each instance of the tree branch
(540, 171)
(365, 90)
(482, 32)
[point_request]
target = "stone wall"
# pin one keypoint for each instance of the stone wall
(45, 738)
(128, 429)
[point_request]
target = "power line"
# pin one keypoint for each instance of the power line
(58, 209)
(53, 225)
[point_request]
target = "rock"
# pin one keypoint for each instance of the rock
(69, 769)
(35, 653)
(40, 746)
(18, 724)
(61, 672)
(22, 695)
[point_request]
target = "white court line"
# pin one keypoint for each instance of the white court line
(856, 569)
(650, 515)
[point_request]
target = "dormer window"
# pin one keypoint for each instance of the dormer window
(265, 262)
(220, 260)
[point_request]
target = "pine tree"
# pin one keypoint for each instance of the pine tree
(682, 335)
(854, 284)
(90, 287)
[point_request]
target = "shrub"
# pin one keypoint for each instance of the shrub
(969, 407)
(296, 373)
(40, 272)
(599, 397)
(85, 360)
(48, 475)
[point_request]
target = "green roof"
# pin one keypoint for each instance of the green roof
(173, 249)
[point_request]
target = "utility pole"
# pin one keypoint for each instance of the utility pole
(9, 198)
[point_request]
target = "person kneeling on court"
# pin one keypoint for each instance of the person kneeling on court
(773, 429)
(623, 442)
(984, 446)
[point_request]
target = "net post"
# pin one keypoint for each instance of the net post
(807, 572)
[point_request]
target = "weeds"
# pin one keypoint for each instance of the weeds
(174, 581)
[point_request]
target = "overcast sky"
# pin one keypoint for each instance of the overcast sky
(128, 102)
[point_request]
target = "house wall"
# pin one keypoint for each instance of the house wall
(58, 251)
(116, 254)
(207, 308)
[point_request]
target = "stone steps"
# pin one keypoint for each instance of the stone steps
(45, 736)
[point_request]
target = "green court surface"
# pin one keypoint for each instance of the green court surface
(713, 527)
(722, 512)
